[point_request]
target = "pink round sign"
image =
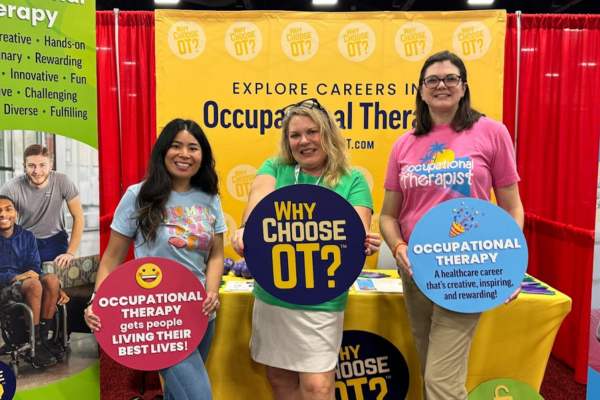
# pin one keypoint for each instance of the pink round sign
(151, 313)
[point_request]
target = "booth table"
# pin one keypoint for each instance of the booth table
(512, 341)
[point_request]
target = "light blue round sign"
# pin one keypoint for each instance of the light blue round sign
(467, 255)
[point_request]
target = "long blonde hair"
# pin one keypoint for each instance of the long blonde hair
(332, 142)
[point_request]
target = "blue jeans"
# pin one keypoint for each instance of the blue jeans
(53, 246)
(188, 380)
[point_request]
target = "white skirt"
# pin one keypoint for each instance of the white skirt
(296, 340)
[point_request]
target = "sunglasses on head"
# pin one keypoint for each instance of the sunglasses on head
(308, 103)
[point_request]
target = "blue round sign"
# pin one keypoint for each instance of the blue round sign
(8, 382)
(304, 244)
(467, 255)
(370, 368)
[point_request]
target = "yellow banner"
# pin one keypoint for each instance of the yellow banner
(233, 72)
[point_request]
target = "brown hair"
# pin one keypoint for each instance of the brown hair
(36, 150)
(465, 116)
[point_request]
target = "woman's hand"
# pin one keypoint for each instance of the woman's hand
(237, 241)
(372, 243)
(401, 257)
(91, 319)
(211, 303)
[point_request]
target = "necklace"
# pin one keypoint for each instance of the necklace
(297, 175)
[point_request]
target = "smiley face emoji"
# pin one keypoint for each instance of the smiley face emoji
(148, 276)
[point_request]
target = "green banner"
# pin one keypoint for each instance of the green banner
(48, 67)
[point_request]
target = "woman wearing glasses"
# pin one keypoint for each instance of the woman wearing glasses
(299, 344)
(447, 129)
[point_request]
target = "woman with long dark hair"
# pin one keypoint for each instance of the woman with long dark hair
(447, 129)
(181, 181)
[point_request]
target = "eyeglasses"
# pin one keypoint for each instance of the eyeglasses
(308, 103)
(451, 80)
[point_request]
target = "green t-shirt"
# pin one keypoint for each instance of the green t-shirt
(353, 187)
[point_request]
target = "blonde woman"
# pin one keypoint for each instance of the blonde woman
(299, 344)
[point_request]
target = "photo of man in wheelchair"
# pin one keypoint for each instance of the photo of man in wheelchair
(29, 298)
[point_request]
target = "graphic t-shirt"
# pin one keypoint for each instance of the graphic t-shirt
(186, 235)
(353, 187)
(445, 164)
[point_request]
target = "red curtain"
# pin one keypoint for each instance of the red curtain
(125, 137)
(109, 154)
(127, 131)
(557, 156)
(138, 93)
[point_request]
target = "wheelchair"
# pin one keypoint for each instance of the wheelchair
(17, 330)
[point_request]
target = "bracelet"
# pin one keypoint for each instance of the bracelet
(400, 243)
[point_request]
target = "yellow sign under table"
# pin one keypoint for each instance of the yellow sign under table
(512, 341)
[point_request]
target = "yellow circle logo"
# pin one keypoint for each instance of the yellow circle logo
(148, 276)
(243, 41)
(239, 179)
(299, 41)
(413, 41)
(186, 40)
(471, 40)
(356, 41)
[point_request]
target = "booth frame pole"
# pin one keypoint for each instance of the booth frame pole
(118, 72)
(518, 79)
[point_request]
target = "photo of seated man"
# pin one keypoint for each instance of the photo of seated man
(39, 195)
(20, 272)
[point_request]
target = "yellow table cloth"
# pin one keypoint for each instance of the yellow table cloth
(512, 341)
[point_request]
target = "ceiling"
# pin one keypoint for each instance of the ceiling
(529, 6)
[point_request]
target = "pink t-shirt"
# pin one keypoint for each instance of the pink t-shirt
(445, 164)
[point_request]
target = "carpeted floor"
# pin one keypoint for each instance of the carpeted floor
(558, 383)
(122, 384)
